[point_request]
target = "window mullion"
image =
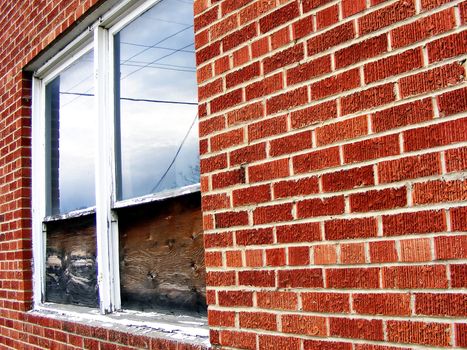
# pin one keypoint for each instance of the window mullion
(106, 221)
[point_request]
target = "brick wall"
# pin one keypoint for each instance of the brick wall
(333, 140)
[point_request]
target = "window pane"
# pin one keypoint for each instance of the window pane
(71, 138)
(71, 266)
(156, 102)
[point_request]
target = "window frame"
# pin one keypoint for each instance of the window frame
(99, 37)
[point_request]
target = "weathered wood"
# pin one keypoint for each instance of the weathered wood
(162, 256)
(71, 268)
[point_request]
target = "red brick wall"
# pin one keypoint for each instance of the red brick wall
(333, 138)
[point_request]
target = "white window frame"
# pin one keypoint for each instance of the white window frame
(99, 37)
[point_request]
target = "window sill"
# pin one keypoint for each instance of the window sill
(186, 329)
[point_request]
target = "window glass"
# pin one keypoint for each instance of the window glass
(71, 138)
(156, 101)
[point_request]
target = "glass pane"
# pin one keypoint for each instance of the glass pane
(156, 102)
(71, 266)
(71, 137)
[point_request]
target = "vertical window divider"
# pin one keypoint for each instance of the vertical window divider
(106, 220)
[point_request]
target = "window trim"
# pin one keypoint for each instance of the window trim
(99, 37)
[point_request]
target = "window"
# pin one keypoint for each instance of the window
(116, 201)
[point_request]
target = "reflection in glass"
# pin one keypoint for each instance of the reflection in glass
(71, 138)
(156, 102)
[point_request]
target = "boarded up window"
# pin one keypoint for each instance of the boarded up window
(162, 256)
(71, 268)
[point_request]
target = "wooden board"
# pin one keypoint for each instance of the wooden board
(162, 256)
(71, 267)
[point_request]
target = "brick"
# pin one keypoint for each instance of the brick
(309, 232)
(216, 201)
(459, 219)
(268, 127)
(233, 258)
(280, 38)
(218, 240)
(378, 147)
(430, 4)
(415, 250)
(393, 65)
(207, 127)
(347, 129)
(325, 345)
(273, 213)
(452, 102)
(386, 16)
(456, 159)
(228, 178)
(271, 342)
(435, 334)
(300, 278)
(283, 58)
(352, 228)
(351, 7)
(353, 253)
(409, 168)
(320, 207)
(354, 278)
(238, 37)
(309, 5)
(206, 18)
(327, 17)
(213, 163)
(217, 279)
(241, 56)
(463, 12)
(292, 188)
(326, 302)
(229, 6)
(277, 300)
(384, 251)
(227, 24)
(254, 258)
(331, 38)
(447, 47)
(313, 115)
(221, 318)
(264, 87)
(247, 113)
(236, 339)
(356, 328)
(298, 256)
(302, 27)
(402, 115)
(316, 160)
(308, 325)
(458, 276)
(269, 171)
(451, 247)
(461, 328)
(207, 53)
(211, 89)
(378, 347)
(388, 304)
(279, 16)
(309, 70)
(366, 99)
(440, 191)
(389, 198)
(432, 80)
(287, 100)
(414, 223)
(254, 237)
(325, 254)
(432, 304)
(251, 195)
(424, 28)
(361, 51)
(258, 320)
(290, 144)
(348, 179)
(254, 10)
(227, 140)
(231, 219)
(257, 278)
(275, 257)
(336, 84)
(259, 47)
(248, 154)
(411, 277)
(226, 101)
